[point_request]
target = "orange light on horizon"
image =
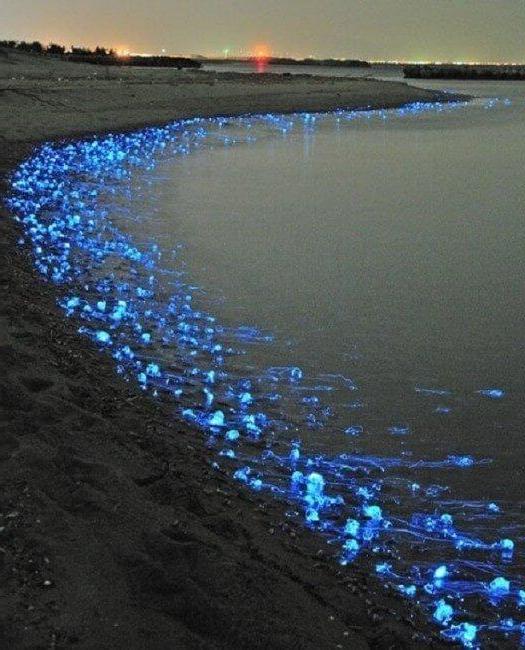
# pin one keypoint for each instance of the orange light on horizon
(121, 51)
(261, 54)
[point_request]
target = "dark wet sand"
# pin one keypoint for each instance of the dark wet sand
(113, 531)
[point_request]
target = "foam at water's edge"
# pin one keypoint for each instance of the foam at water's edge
(115, 287)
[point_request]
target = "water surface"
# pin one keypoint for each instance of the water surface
(337, 302)
(387, 251)
(378, 71)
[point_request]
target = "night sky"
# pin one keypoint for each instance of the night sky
(460, 30)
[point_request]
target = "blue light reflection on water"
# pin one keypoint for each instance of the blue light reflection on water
(455, 558)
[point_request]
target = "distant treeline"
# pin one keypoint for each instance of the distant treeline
(451, 71)
(99, 55)
(35, 47)
(135, 60)
(335, 63)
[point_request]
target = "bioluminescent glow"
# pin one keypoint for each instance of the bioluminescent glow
(455, 558)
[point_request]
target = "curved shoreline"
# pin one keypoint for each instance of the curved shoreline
(97, 503)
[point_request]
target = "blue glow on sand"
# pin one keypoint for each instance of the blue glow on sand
(454, 559)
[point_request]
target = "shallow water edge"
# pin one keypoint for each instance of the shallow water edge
(46, 346)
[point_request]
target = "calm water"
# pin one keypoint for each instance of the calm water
(376, 262)
(390, 252)
(379, 71)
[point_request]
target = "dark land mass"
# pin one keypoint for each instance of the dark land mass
(136, 61)
(476, 72)
(331, 63)
(328, 63)
(99, 56)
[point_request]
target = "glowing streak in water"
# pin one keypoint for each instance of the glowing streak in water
(365, 505)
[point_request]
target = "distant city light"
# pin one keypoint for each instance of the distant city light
(262, 55)
(122, 51)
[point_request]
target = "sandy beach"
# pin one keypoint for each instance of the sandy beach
(114, 532)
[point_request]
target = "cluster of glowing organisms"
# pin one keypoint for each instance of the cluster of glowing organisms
(451, 560)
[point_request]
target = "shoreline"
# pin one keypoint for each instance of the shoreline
(115, 531)
(47, 100)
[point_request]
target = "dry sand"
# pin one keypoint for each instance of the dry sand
(44, 99)
(113, 532)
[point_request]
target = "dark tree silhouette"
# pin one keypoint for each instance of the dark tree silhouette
(35, 47)
(81, 51)
(53, 48)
